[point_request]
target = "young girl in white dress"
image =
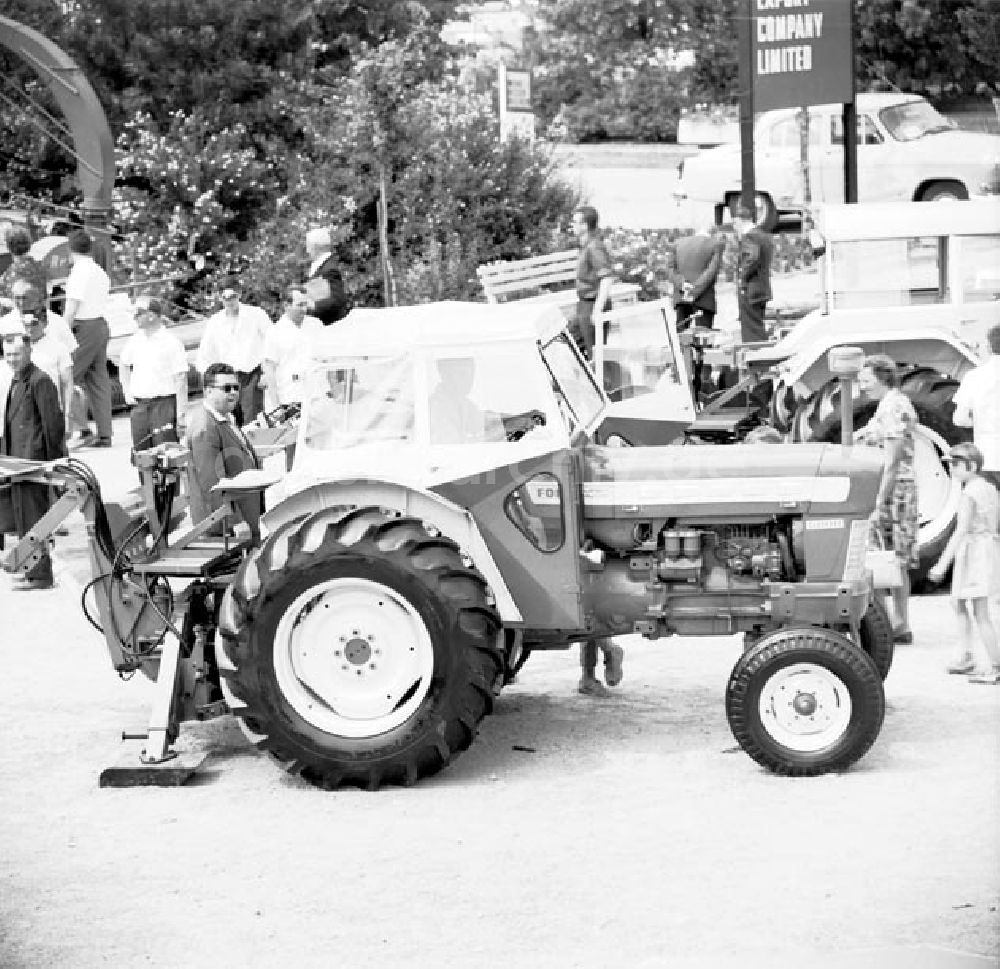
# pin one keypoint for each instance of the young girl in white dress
(975, 549)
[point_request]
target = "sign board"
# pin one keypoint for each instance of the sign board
(516, 116)
(518, 90)
(801, 53)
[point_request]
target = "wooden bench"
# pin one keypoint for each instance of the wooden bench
(501, 281)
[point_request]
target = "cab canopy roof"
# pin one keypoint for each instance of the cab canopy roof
(902, 220)
(403, 329)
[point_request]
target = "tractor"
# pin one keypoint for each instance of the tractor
(919, 283)
(447, 512)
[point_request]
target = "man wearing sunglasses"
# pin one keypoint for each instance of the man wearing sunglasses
(219, 449)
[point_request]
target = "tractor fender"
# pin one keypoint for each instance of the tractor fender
(450, 519)
(937, 348)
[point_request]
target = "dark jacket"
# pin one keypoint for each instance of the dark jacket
(697, 261)
(754, 267)
(218, 450)
(334, 306)
(33, 429)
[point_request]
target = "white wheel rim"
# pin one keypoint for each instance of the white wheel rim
(938, 493)
(353, 657)
(805, 707)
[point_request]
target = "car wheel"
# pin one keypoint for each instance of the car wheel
(944, 192)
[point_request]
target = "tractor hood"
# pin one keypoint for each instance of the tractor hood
(730, 482)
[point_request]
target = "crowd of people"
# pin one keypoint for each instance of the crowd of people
(54, 376)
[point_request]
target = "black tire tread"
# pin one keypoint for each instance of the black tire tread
(365, 534)
(795, 645)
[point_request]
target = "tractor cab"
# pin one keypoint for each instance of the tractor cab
(425, 394)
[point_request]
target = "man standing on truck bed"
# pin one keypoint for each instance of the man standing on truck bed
(594, 276)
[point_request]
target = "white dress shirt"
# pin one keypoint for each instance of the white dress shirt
(287, 347)
(237, 340)
(977, 405)
(89, 284)
(54, 360)
(156, 360)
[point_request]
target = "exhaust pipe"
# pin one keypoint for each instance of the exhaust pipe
(846, 363)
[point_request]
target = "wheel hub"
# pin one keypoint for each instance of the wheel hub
(353, 657)
(805, 707)
(358, 651)
(804, 704)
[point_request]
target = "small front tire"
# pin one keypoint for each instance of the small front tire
(805, 701)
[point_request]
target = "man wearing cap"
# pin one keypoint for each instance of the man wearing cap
(33, 428)
(977, 405)
(753, 275)
(154, 379)
(235, 336)
(87, 294)
(325, 285)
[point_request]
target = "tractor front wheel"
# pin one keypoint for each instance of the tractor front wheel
(805, 701)
(358, 648)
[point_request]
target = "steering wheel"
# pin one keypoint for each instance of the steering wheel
(522, 424)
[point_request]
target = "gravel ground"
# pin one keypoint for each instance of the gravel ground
(622, 832)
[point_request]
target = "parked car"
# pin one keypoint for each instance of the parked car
(907, 152)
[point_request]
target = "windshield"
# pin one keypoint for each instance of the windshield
(487, 395)
(638, 355)
(578, 395)
(359, 400)
(912, 120)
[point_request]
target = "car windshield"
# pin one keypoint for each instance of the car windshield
(578, 395)
(912, 120)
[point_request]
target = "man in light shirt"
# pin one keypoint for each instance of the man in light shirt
(87, 293)
(286, 351)
(154, 379)
(235, 335)
(977, 405)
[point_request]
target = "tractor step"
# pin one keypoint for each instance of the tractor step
(130, 771)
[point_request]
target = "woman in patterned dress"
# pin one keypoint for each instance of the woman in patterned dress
(975, 549)
(896, 514)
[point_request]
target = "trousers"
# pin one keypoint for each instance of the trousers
(90, 371)
(153, 421)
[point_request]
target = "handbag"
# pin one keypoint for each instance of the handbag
(887, 573)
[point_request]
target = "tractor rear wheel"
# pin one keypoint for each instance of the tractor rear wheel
(818, 419)
(805, 701)
(357, 648)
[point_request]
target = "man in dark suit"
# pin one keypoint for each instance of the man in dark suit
(33, 428)
(219, 449)
(696, 265)
(325, 285)
(753, 275)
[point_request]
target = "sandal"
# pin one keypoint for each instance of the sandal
(989, 677)
(962, 666)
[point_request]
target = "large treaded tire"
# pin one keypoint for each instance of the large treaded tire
(818, 419)
(877, 639)
(772, 686)
(426, 582)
